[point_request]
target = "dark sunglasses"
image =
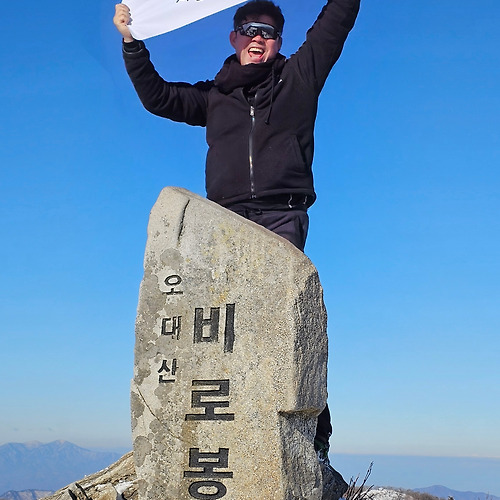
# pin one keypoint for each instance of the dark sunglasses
(266, 31)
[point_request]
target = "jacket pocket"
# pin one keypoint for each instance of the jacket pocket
(296, 154)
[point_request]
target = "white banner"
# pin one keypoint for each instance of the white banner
(155, 17)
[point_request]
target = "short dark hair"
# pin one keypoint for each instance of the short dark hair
(259, 8)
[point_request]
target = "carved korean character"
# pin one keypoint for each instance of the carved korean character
(172, 281)
(199, 400)
(167, 371)
(207, 462)
(171, 326)
(207, 329)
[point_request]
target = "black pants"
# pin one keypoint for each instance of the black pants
(290, 220)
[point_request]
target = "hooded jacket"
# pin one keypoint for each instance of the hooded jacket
(259, 133)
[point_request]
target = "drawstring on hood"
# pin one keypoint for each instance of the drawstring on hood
(268, 118)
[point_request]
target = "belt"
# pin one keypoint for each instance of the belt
(296, 201)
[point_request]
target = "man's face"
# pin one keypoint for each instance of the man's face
(257, 49)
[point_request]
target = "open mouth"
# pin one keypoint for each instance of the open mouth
(255, 51)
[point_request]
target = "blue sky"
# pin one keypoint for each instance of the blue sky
(405, 232)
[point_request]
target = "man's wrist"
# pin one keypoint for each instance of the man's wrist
(133, 46)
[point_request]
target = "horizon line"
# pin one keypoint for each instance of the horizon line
(378, 454)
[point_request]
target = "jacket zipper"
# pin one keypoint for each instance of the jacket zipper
(250, 152)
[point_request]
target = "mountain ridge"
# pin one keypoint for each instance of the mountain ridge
(52, 466)
(25, 495)
(47, 466)
(445, 492)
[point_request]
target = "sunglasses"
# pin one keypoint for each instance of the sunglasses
(266, 31)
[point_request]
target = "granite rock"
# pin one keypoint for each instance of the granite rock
(230, 359)
(116, 482)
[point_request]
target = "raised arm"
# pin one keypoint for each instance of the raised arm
(181, 102)
(325, 40)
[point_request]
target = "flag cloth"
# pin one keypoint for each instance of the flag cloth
(155, 17)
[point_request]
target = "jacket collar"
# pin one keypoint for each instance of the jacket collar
(233, 75)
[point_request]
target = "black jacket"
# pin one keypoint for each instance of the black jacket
(264, 145)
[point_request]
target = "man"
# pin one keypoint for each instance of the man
(259, 113)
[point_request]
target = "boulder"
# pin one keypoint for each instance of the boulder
(116, 482)
(230, 359)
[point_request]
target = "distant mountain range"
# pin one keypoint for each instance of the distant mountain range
(30, 471)
(444, 492)
(38, 466)
(432, 492)
(25, 495)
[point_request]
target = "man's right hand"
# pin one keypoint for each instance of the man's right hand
(121, 20)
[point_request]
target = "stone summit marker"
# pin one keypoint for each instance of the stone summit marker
(230, 359)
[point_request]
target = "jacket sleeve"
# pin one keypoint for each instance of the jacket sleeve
(325, 41)
(180, 102)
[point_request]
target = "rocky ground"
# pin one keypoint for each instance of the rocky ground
(118, 481)
(378, 493)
